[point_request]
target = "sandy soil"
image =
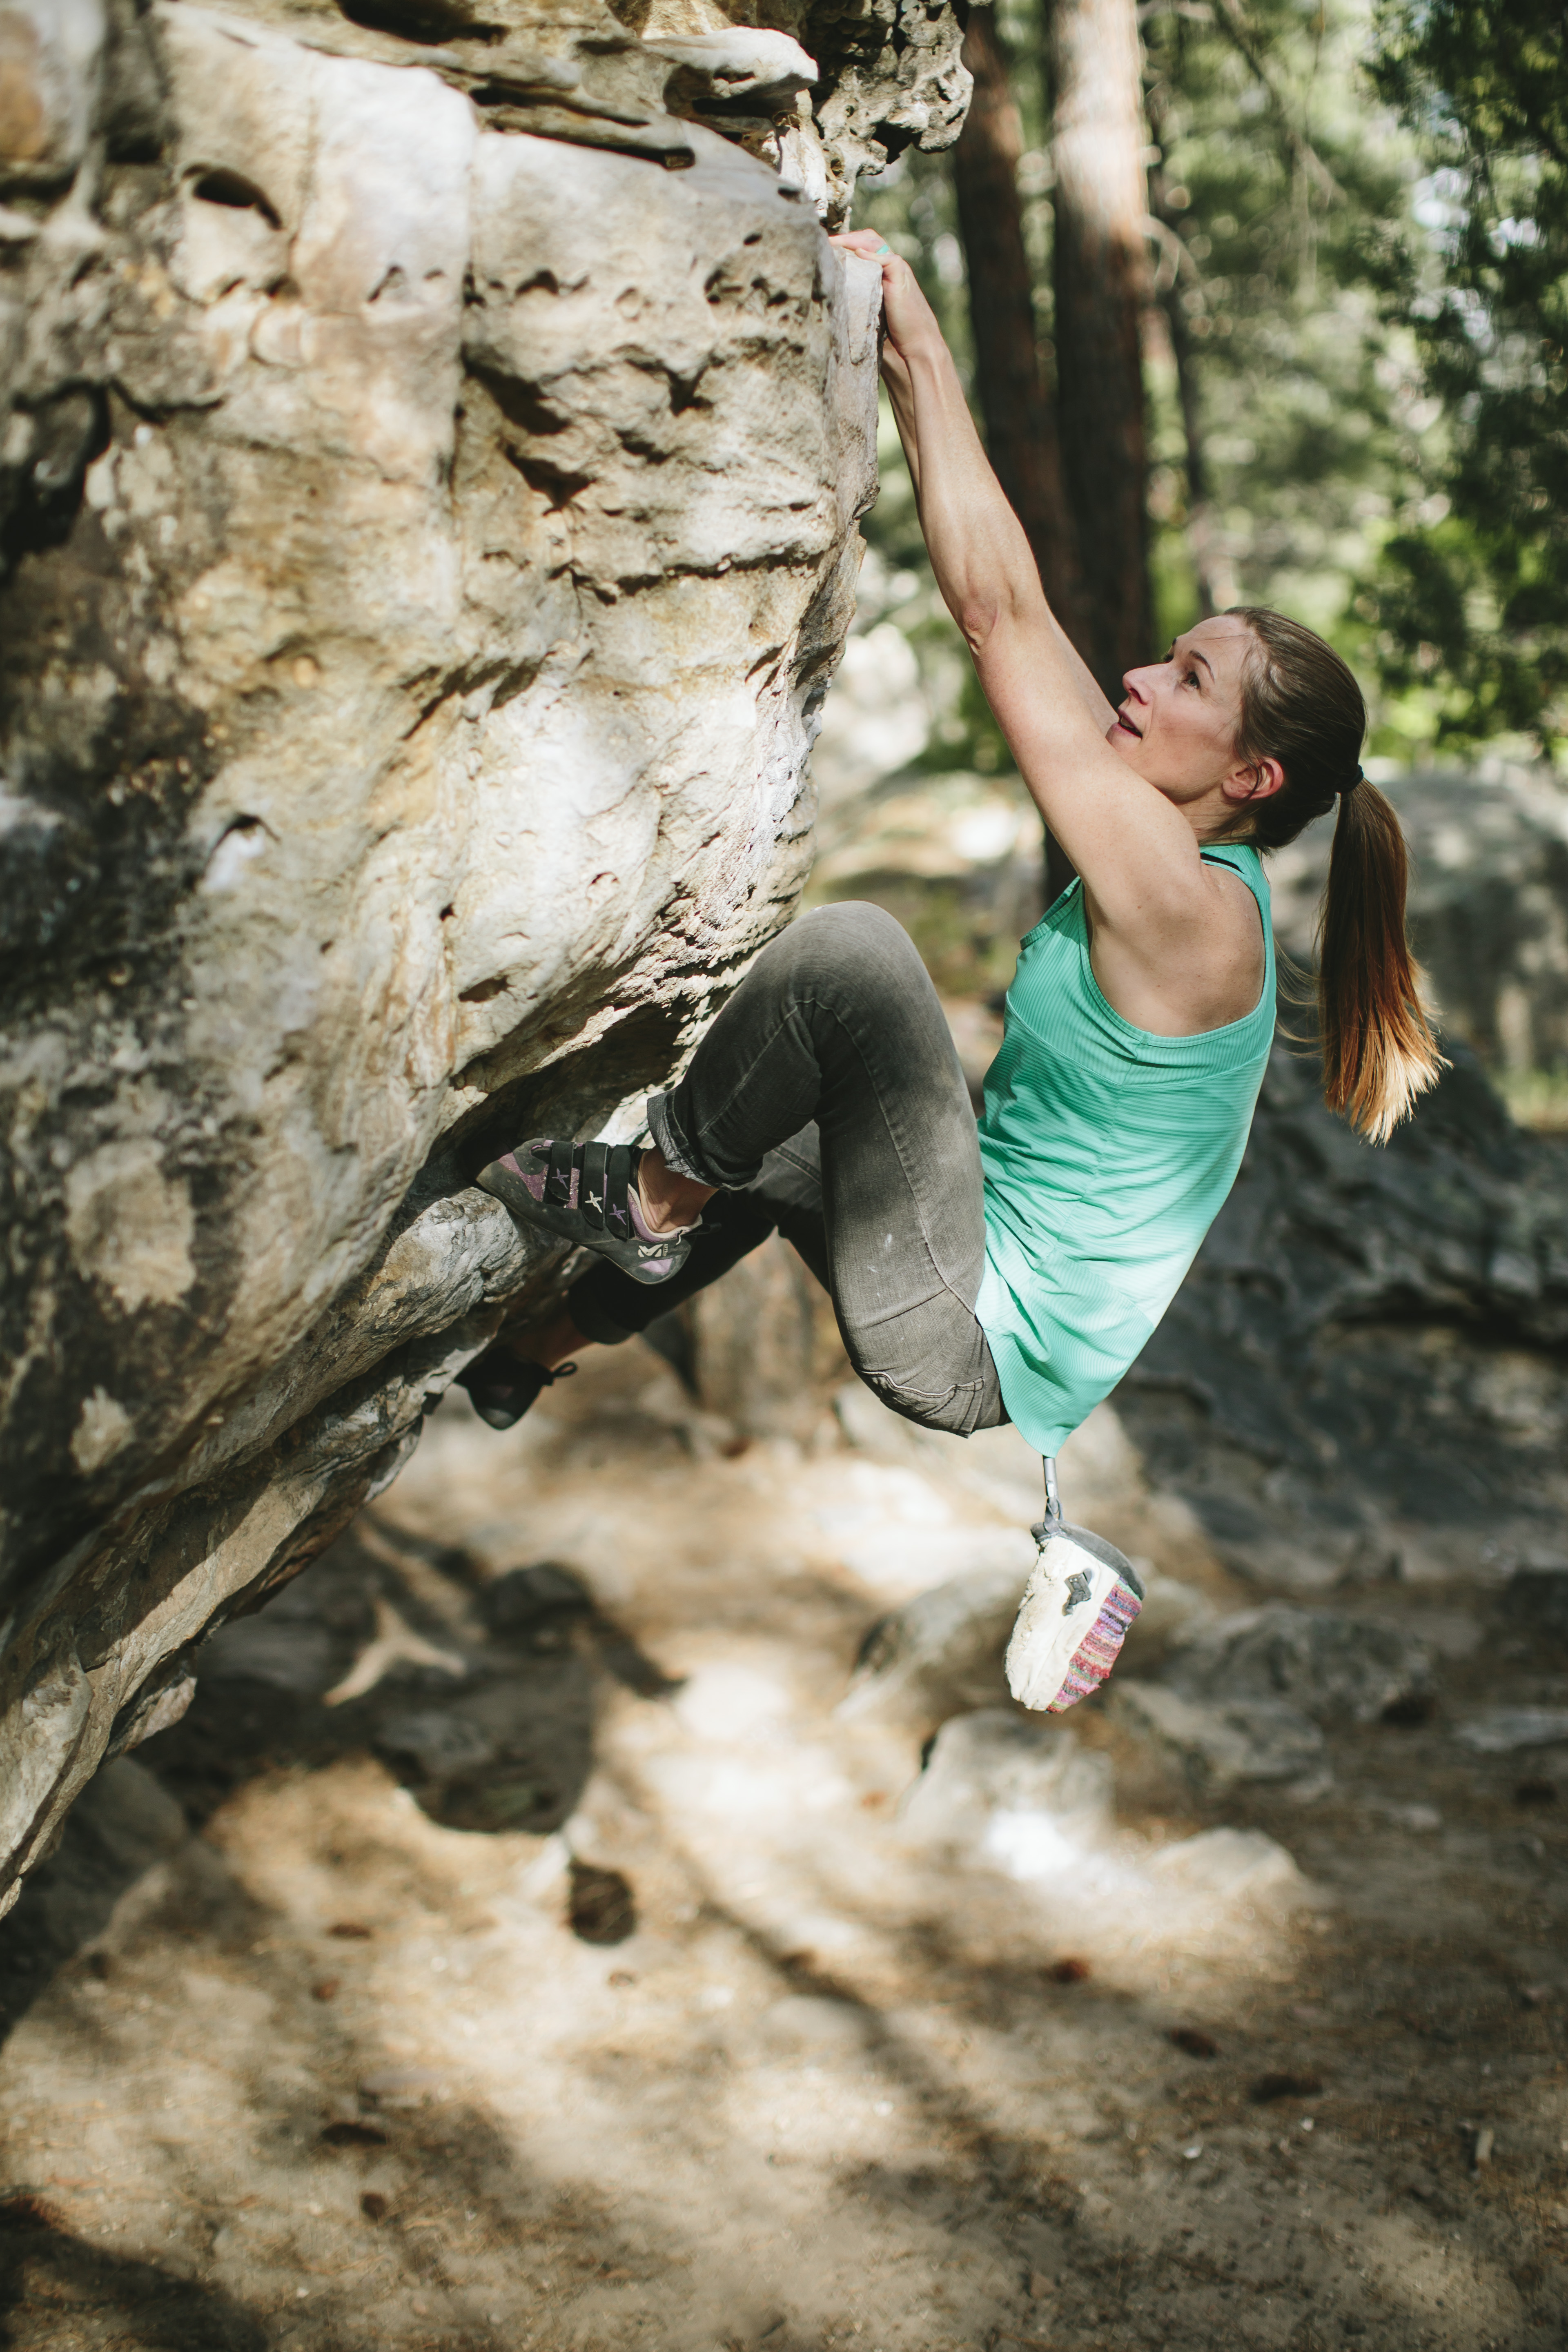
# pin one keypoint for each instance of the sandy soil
(583, 1982)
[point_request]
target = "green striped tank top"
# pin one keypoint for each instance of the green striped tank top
(1107, 1153)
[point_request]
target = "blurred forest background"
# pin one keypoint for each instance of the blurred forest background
(1258, 301)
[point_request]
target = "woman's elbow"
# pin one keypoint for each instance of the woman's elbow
(985, 614)
(979, 608)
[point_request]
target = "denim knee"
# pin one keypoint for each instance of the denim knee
(853, 936)
(960, 1410)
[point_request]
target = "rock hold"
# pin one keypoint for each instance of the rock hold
(51, 58)
(882, 77)
(762, 67)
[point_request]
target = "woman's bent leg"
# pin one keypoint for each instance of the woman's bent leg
(838, 1023)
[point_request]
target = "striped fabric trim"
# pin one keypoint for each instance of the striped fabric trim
(1100, 1648)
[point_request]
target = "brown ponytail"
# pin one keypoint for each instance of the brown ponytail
(1301, 705)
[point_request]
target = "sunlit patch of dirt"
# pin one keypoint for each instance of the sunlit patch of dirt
(594, 1989)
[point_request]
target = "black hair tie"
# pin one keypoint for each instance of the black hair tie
(1359, 777)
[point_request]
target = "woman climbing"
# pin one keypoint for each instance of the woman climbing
(1016, 1272)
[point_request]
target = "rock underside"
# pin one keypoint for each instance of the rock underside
(431, 448)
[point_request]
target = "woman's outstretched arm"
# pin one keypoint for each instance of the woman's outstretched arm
(1137, 854)
(896, 375)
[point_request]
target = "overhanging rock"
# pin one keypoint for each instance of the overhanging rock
(429, 467)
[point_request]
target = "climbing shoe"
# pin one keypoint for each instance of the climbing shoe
(501, 1387)
(586, 1193)
(1076, 1608)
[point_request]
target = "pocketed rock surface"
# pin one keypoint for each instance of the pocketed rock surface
(428, 478)
(586, 1981)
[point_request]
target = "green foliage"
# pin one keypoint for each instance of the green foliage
(1277, 184)
(1285, 236)
(1475, 599)
(1363, 210)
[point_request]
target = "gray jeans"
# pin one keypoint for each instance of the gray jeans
(827, 1105)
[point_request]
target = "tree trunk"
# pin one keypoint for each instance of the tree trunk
(1213, 576)
(1020, 425)
(1020, 428)
(1101, 289)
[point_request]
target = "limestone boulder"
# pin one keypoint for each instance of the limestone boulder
(429, 459)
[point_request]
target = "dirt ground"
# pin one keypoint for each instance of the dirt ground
(580, 1977)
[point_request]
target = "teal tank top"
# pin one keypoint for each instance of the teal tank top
(1107, 1153)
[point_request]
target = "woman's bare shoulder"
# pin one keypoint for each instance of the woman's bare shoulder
(1237, 950)
(1203, 974)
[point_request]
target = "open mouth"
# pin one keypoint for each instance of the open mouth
(1127, 726)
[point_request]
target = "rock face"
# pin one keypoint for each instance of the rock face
(1334, 1668)
(993, 1761)
(1363, 1375)
(429, 465)
(1244, 1700)
(1488, 905)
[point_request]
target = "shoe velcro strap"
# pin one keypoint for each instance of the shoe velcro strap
(558, 1182)
(591, 1192)
(620, 1170)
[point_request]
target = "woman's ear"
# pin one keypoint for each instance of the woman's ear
(1259, 780)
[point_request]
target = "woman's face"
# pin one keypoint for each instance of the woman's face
(1177, 723)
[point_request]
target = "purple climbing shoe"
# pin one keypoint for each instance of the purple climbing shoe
(586, 1193)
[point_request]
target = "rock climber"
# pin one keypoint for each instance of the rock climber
(1014, 1270)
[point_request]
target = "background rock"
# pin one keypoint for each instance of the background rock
(429, 533)
(1488, 908)
(1364, 1376)
(1216, 1742)
(941, 1653)
(1536, 1599)
(757, 1350)
(1337, 1669)
(995, 1761)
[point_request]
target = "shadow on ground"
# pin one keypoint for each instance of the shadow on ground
(481, 1966)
